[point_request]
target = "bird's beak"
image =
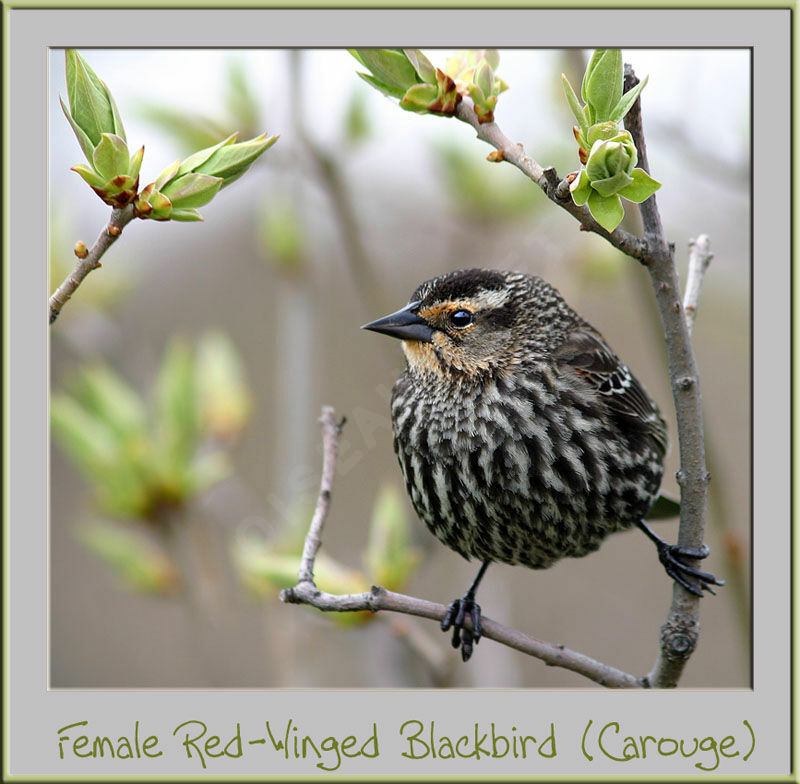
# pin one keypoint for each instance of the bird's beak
(404, 324)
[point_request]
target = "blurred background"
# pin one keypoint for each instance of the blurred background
(187, 374)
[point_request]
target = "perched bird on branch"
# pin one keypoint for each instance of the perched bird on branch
(521, 436)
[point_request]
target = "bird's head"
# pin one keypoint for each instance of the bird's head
(465, 322)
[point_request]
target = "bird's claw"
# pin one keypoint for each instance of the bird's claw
(463, 636)
(670, 556)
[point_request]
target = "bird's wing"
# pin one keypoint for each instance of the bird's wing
(586, 354)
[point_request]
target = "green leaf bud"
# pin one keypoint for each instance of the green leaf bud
(422, 65)
(161, 206)
(95, 120)
(606, 210)
(391, 92)
(185, 214)
(117, 191)
(642, 187)
(192, 190)
(119, 130)
(183, 186)
(484, 78)
(462, 64)
(492, 57)
(627, 101)
(602, 83)
(474, 73)
(152, 204)
(166, 175)
(419, 97)
(439, 99)
(610, 164)
(483, 105)
(90, 107)
(199, 158)
(84, 141)
(111, 156)
(575, 105)
(231, 161)
(391, 71)
(135, 163)
(580, 188)
(89, 175)
(601, 132)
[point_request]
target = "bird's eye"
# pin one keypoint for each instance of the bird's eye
(461, 318)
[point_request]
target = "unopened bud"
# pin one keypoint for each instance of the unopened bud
(80, 249)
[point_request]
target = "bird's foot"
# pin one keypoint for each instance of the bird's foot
(670, 556)
(463, 637)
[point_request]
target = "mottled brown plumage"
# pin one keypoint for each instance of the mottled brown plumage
(521, 436)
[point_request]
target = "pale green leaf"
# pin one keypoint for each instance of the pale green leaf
(642, 187)
(607, 211)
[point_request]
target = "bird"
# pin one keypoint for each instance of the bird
(521, 436)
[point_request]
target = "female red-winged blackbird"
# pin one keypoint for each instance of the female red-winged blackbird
(521, 436)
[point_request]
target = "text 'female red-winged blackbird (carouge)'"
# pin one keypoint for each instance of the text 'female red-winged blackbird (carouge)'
(521, 436)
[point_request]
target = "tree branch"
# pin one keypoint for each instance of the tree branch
(378, 599)
(680, 632)
(328, 172)
(120, 217)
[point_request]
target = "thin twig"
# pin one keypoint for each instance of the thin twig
(120, 217)
(680, 632)
(555, 189)
(331, 430)
(377, 599)
(700, 256)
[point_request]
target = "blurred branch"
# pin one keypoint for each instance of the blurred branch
(700, 256)
(377, 599)
(120, 217)
(437, 663)
(330, 177)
